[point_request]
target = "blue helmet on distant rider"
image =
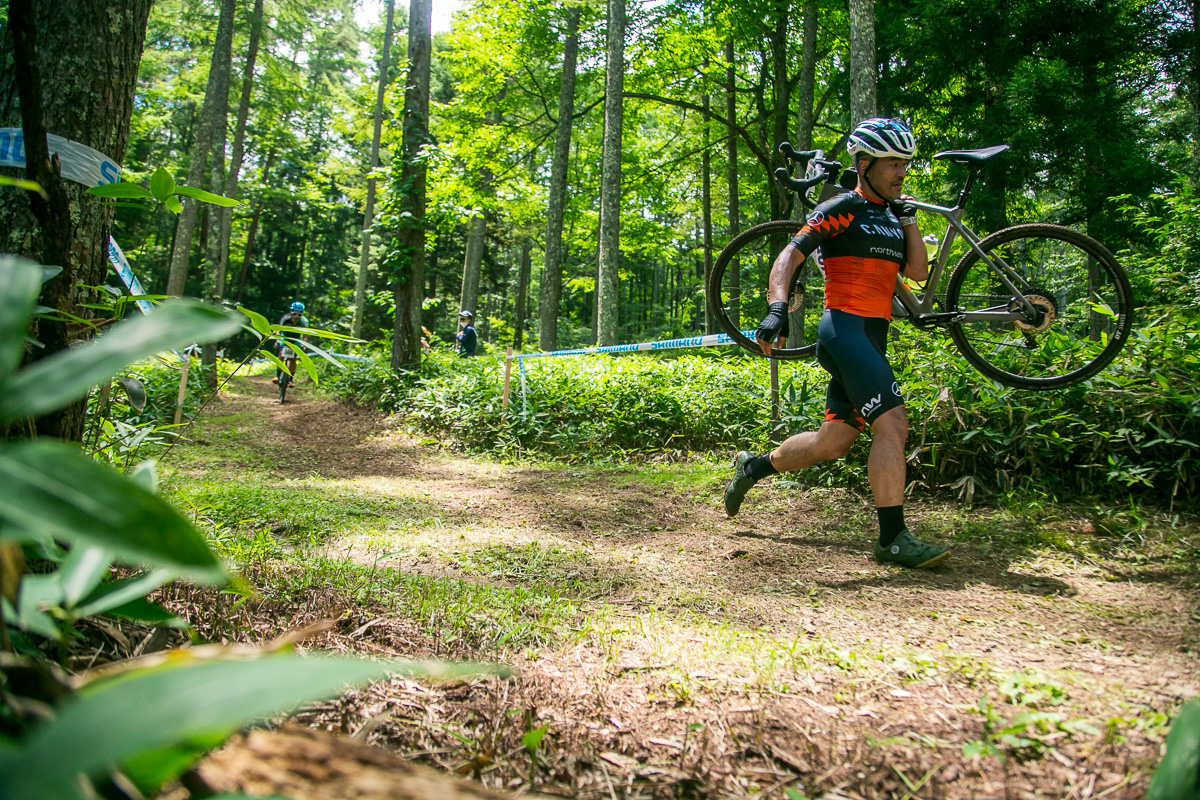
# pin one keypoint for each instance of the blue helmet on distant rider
(297, 307)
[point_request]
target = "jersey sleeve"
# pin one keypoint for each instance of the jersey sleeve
(826, 221)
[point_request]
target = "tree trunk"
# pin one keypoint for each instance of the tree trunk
(1195, 87)
(364, 258)
(805, 118)
(74, 77)
(252, 233)
(607, 306)
(238, 152)
(862, 60)
(222, 65)
(469, 295)
(522, 293)
(410, 272)
(731, 171)
(706, 212)
(557, 200)
(186, 223)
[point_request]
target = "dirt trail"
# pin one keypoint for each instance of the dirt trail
(756, 656)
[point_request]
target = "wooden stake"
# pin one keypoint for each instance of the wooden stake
(507, 378)
(182, 390)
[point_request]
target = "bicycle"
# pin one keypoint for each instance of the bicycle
(1032, 306)
(288, 355)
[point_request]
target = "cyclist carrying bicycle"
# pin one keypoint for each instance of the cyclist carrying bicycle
(294, 318)
(866, 237)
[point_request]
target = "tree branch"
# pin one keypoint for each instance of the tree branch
(763, 157)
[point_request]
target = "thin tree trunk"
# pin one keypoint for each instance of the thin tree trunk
(217, 259)
(607, 304)
(238, 151)
(364, 258)
(248, 254)
(808, 76)
(522, 293)
(731, 173)
(50, 83)
(557, 200)
(862, 60)
(186, 224)
(1195, 91)
(476, 230)
(410, 273)
(706, 211)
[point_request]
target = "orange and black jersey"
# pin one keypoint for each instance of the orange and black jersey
(862, 248)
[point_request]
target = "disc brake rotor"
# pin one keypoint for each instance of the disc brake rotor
(1046, 307)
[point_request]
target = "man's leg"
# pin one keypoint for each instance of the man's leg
(832, 440)
(886, 472)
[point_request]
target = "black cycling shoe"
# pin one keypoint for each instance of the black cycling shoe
(736, 490)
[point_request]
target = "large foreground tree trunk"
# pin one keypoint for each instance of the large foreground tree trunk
(409, 265)
(557, 200)
(84, 56)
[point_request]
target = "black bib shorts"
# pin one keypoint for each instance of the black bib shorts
(853, 350)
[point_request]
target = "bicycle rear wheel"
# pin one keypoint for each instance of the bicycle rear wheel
(1083, 297)
(737, 289)
(286, 378)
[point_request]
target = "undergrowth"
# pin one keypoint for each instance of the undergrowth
(1131, 432)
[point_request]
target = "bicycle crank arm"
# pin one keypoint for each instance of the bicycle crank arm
(938, 318)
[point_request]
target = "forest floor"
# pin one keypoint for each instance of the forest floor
(673, 652)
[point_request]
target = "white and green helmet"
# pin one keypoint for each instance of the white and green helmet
(882, 138)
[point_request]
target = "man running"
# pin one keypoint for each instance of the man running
(294, 318)
(866, 237)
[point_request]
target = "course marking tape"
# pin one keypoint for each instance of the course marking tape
(711, 340)
(81, 164)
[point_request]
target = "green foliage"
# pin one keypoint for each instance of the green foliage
(1132, 430)
(75, 518)
(1178, 776)
(159, 719)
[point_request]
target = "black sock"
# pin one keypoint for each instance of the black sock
(761, 467)
(891, 522)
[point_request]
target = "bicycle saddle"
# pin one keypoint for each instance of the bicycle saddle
(973, 156)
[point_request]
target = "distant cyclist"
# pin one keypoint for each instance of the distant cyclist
(294, 318)
(866, 237)
(466, 336)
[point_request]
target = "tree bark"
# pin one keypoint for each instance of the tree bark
(1195, 91)
(557, 200)
(522, 293)
(805, 119)
(238, 152)
(862, 60)
(186, 224)
(607, 305)
(222, 65)
(706, 211)
(87, 69)
(364, 258)
(731, 170)
(410, 271)
(469, 295)
(252, 233)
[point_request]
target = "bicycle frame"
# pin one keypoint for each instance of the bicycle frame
(920, 308)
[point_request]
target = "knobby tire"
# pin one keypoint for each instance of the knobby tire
(1082, 283)
(738, 297)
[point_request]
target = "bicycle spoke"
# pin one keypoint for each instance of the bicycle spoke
(1079, 293)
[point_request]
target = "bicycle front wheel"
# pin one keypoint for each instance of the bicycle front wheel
(737, 289)
(1082, 297)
